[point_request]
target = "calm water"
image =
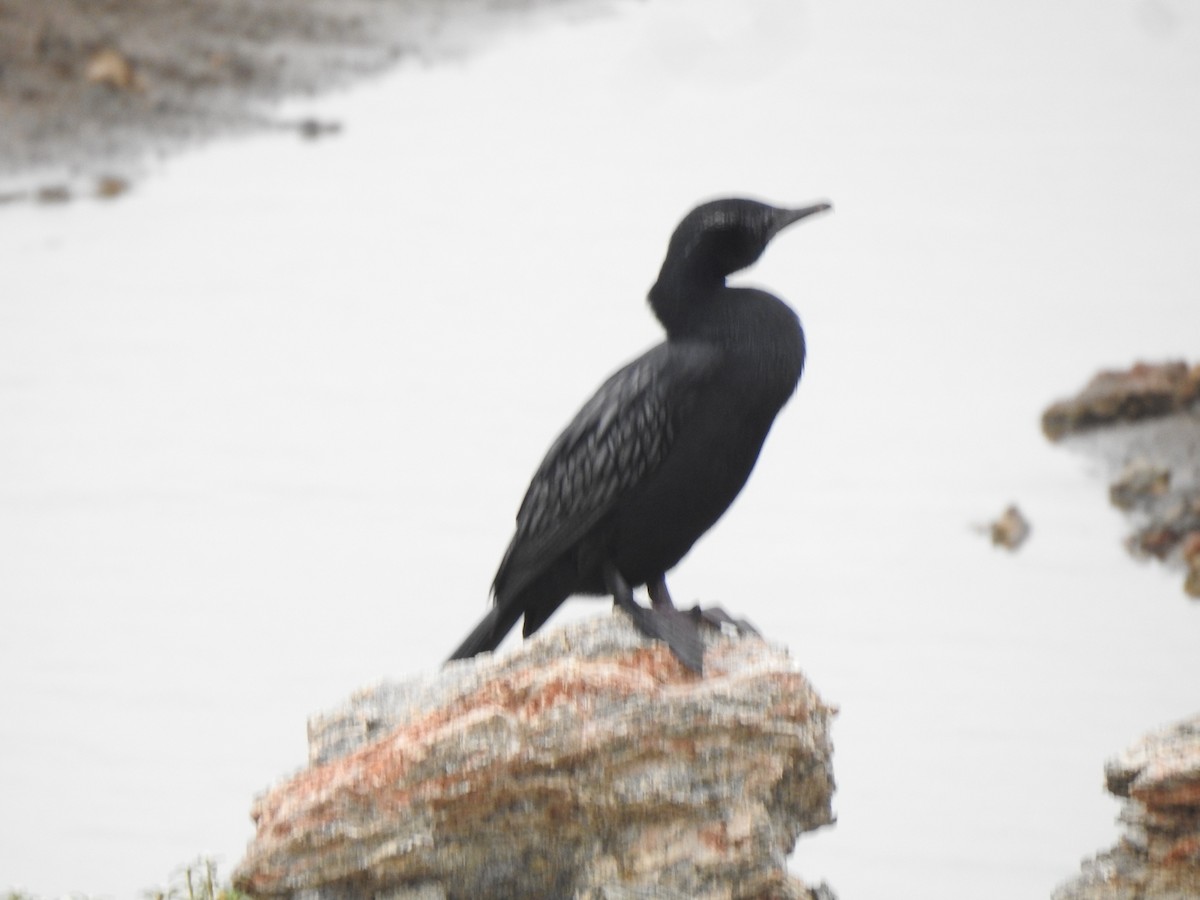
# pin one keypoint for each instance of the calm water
(265, 422)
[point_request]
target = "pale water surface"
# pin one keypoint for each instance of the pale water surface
(265, 422)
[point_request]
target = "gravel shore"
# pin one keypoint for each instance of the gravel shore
(89, 87)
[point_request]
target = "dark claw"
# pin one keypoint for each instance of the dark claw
(718, 618)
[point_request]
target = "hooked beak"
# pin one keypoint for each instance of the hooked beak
(786, 217)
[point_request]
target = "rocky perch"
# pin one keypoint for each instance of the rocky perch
(1158, 858)
(1144, 423)
(588, 763)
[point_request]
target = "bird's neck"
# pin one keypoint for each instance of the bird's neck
(745, 322)
(685, 303)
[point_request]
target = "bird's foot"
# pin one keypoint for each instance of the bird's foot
(660, 597)
(716, 617)
(681, 633)
(675, 628)
(678, 629)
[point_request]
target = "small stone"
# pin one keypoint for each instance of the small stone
(1156, 540)
(113, 69)
(1011, 530)
(1191, 548)
(1139, 482)
(109, 186)
(1191, 559)
(53, 194)
(312, 129)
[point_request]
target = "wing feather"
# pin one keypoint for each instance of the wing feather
(621, 435)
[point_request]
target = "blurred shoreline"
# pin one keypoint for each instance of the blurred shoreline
(90, 90)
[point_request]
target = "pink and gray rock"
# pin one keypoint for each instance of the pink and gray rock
(588, 763)
(1158, 857)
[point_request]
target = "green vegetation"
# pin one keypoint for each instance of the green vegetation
(196, 881)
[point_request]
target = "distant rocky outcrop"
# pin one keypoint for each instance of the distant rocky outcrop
(1143, 391)
(588, 763)
(1144, 423)
(1158, 857)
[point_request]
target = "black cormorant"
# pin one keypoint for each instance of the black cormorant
(658, 454)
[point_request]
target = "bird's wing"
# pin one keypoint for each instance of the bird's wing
(621, 434)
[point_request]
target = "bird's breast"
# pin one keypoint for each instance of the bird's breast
(764, 370)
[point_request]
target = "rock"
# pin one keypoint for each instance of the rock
(1154, 540)
(113, 69)
(313, 129)
(53, 194)
(1010, 530)
(1139, 482)
(1144, 424)
(1146, 390)
(1191, 559)
(110, 186)
(588, 763)
(1158, 857)
(1167, 535)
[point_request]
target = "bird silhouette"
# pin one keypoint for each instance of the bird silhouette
(664, 446)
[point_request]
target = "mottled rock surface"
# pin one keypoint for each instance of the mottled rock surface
(587, 763)
(1158, 857)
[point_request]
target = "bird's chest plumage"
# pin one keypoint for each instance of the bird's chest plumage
(716, 438)
(718, 442)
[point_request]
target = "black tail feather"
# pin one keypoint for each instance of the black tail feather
(488, 634)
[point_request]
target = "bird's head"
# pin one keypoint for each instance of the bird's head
(721, 237)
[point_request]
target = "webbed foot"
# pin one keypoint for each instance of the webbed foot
(716, 617)
(677, 629)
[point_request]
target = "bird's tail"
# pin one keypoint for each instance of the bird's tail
(488, 634)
